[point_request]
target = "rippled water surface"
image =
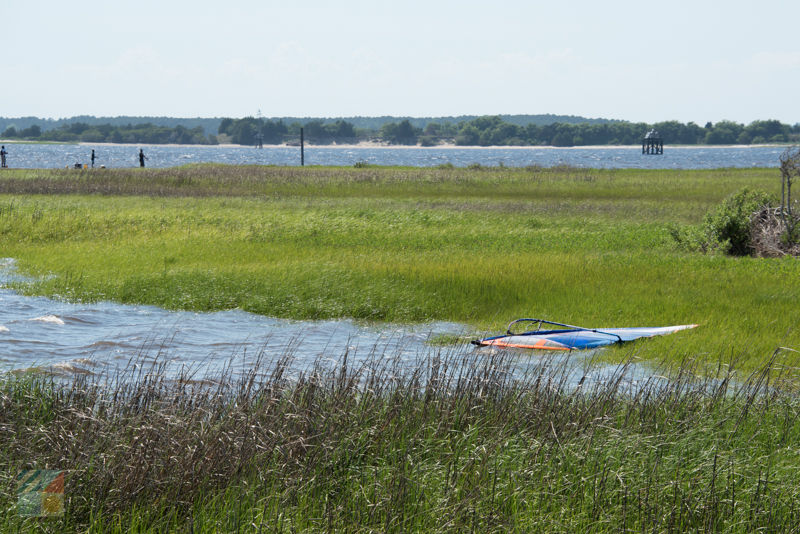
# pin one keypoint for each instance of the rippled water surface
(101, 339)
(98, 337)
(59, 156)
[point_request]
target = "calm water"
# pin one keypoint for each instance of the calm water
(59, 156)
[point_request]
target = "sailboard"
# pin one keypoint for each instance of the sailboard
(568, 337)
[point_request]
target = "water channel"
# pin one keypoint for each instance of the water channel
(103, 339)
(22, 156)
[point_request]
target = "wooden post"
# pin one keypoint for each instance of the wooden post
(302, 155)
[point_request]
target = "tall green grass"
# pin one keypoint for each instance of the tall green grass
(483, 247)
(451, 442)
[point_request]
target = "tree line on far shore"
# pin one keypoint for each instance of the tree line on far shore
(494, 131)
(106, 133)
(482, 131)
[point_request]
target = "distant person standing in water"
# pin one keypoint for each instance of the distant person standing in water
(3, 156)
(142, 157)
(93, 158)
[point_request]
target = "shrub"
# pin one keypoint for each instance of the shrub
(428, 141)
(728, 227)
(689, 237)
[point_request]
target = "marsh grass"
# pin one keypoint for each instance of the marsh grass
(501, 183)
(458, 440)
(482, 247)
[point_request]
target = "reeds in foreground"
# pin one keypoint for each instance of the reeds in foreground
(459, 440)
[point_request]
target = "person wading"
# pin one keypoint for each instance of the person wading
(142, 157)
(93, 158)
(3, 156)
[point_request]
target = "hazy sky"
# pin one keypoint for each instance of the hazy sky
(634, 60)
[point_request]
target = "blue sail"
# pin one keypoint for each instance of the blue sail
(572, 337)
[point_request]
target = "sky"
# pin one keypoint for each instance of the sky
(700, 60)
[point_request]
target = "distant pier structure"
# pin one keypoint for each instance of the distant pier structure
(652, 143)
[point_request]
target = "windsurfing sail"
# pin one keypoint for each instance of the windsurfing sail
(568, 337)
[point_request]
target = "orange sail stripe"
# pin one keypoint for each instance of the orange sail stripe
(541, 344)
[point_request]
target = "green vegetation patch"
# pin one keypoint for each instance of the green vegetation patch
(448, 444)
(482, 247)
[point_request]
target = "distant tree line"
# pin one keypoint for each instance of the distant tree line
(375, 123)
(211, 125)
(480, 131)
(493, 131)
(245, 131)
(106, 133)
(20, 123)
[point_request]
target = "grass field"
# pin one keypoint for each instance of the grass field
(478, 246)
(453, 442)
